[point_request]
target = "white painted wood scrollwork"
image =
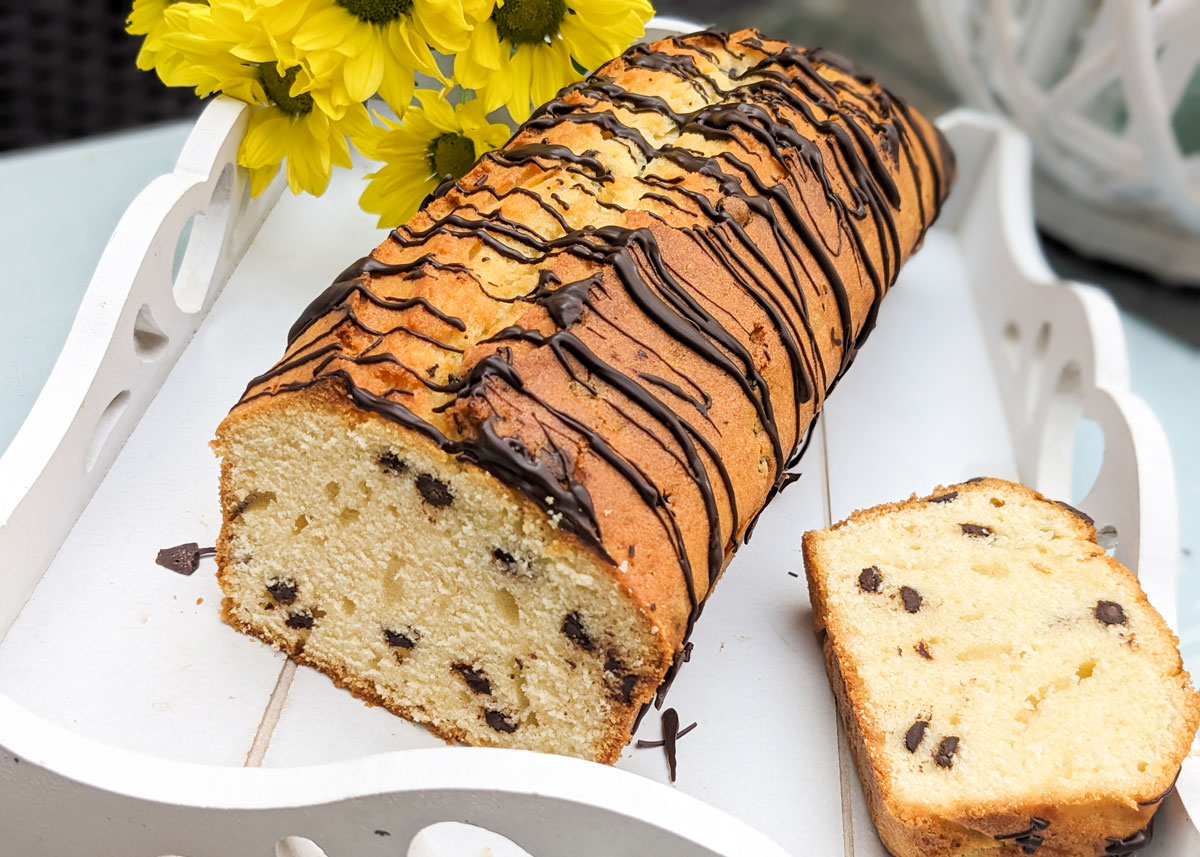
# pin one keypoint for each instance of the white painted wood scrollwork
(149, 294)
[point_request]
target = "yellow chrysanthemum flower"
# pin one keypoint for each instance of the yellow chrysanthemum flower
(147, 18)
(434, 140)
(370, 46)
(226, 48)
(156, 19)
(311, 142)
(524, 51)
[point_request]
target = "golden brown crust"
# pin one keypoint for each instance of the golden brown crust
(805, 238)
(1080, 826)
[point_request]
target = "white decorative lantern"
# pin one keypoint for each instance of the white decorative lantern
(1109, 92)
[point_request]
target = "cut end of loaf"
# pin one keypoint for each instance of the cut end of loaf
(995, 666)
(406, 578)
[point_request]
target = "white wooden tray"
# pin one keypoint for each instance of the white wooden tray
(133, 722)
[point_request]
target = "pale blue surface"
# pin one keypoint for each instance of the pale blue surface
(58, 207)
(61, 203)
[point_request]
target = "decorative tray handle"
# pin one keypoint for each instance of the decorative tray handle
(166, 262)
(1058, 353)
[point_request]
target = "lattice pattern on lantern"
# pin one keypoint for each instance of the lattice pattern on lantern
(1109, 92)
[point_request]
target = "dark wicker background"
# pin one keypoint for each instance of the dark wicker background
(67, 70)
(67, 66)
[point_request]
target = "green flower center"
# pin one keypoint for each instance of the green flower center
(279, 88)
(529, 22)
(377, 11)
(451, 155)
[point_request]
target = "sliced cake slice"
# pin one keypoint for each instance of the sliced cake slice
(1005, 685)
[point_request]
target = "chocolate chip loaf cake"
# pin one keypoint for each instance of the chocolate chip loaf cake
(505, 458)
(1005, 685)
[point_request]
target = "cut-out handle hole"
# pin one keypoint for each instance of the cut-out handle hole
(1037, 369)
(1055, 472)
(298, 846)
(149, 341)
(1087, 457)
(104, 427)
(1010, 344)
(198, 248)
(454, 839)
(1042, 343)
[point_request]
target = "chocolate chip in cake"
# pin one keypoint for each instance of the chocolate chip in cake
(1030, 839)
(911, 598)
(1131, 843)
(628, 683)
(389, 462)
(915, 735)
(405, 638)
(923, 650)
(500, 721)
(1110, 613)
(283, 591)
(434, 491)
(254, 500)
(621, 683)
(474, 678)
(572, 628)
(505, 563)
(869, 579)
(301, 620)
(976, 531)
(944, 498)
(944, 754)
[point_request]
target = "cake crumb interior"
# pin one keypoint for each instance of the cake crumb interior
(410, 580)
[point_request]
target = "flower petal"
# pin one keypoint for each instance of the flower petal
(364, 71)
(266, 138)
(325, 30)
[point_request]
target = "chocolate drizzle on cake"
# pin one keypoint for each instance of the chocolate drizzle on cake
(1118, 847)
(843, 161)
(1162, 796)
(1030, 839)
